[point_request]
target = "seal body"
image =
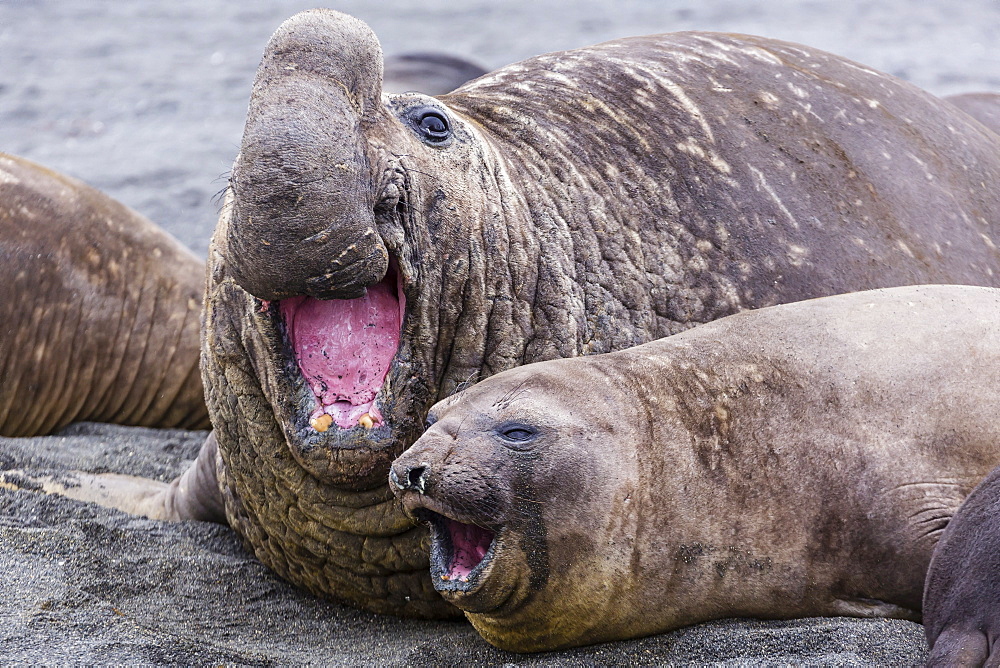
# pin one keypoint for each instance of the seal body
(984, 107)
(795, 461)
(376, 253)
(430, 72)
(962, 592)
(100, 315)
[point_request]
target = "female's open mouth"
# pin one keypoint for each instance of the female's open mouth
(459, 552)
(344, 348)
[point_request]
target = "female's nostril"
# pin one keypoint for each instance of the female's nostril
(415, 477)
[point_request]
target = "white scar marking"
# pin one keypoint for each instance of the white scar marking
(808, 109)
(768, 98)
(561, 78)
(689, 106)
(861, 68)
(796, 255)
(762, 184)
(797, 91)
(691, 147)
(718, 87)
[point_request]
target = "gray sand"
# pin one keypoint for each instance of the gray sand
(145, 101)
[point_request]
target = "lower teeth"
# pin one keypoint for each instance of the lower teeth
(321, 422)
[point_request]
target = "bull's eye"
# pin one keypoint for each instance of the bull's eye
(434, 125)
(431, 124)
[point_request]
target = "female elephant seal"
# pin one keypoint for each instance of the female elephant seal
(377, 252)
(100, 316)
(795, 461)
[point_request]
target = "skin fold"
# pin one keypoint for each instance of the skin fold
(984, 107)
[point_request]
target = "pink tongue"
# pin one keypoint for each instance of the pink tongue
(469, 544)
(344, 347)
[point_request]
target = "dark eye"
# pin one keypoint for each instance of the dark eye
(431, 124)
(517, 433)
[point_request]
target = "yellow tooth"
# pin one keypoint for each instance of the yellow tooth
(321, 422)
(366, 421)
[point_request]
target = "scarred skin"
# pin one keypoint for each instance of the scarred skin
(962, 592)
(104, 321)
(584, 202)
(795, 461)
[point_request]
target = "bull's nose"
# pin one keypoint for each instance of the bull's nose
(302, 220)
(405, 477)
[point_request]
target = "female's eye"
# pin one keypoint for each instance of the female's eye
(517, 434)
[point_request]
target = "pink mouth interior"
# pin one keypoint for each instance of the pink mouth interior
(469, 544)
(344, 348)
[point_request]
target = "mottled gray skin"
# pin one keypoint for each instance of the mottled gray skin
(984, 107)
(100, 316)
(795, 461)
(585, 202)
(962, 592)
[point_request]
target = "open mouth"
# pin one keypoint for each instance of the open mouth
(344, 348)
(459, 552)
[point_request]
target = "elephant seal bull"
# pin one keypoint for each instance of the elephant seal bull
(376, 252)
(962, 591)
(795, 461)
(100, 316)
